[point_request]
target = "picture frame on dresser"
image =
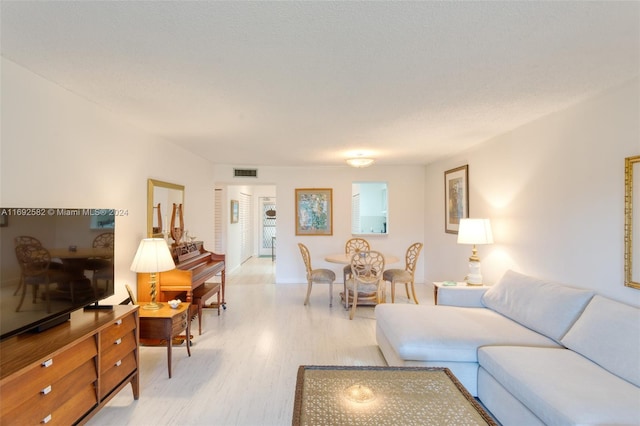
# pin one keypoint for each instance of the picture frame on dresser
(456, 198)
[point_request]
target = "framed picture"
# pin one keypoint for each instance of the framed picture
(456, 197)
(314, 211)
(235, 211)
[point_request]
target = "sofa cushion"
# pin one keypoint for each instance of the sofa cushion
(544, 306)
(449, 333)
(560, 386)
(608, 333)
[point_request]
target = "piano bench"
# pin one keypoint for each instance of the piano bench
(200, 295)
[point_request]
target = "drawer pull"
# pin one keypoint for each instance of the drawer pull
(119, 322)
(46, 390)
(119, 363)
(118, 341)
(46, 419)
(48, 363)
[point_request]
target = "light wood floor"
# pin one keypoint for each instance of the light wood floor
(243, 368)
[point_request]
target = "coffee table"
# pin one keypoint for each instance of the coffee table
(335, 395)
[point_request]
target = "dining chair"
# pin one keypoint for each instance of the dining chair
(35, 261)
(101, 268)
(353, 245)
(316, 275)
(366, 276)
(406, 275)
(21, 240)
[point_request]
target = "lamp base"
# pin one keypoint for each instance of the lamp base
(152, 306)
(474, 277)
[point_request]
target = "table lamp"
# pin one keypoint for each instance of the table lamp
(153, 256)
(474, 231)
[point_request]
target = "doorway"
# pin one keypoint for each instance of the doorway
(267, 227)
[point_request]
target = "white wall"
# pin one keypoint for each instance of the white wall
(406, 203)
(58, 150)
(554, 190)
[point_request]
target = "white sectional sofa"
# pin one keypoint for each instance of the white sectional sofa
(533, 351)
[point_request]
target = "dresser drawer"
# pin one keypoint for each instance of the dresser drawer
(16, 390)
(38, 407)
(117, 330)
(116, 351)
(117, 372)
(179, 323)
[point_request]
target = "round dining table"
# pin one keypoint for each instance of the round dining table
(345, 259)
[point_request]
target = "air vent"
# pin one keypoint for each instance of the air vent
(245, 173)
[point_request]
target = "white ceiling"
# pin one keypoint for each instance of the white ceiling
(305, 83)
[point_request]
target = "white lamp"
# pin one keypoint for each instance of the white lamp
(153, 256)
(474, 231)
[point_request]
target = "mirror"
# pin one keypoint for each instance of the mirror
(369, 208)
(160, 199)
(632, 222)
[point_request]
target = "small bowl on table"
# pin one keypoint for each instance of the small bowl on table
(174, 303)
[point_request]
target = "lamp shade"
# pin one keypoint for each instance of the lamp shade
(153, 255)
(475, 231)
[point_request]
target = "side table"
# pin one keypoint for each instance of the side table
(166, 323)
(458, 294)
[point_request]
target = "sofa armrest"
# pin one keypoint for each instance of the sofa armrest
(463, 296)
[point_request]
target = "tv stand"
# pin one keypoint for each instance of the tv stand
(66, 374)
(96, 306)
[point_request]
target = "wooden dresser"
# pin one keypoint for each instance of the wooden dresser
(64, 375)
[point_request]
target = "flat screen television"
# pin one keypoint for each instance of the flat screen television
(70, 249)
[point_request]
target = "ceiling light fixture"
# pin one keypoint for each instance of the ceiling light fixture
(360, 161)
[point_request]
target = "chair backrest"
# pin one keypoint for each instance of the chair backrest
(367, 266)
(356, 245)
(21, 240)
(304, 251)
(34, 259)
(411, 257)
(103, 240)
(132, 297)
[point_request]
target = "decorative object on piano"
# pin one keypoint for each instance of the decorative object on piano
(153, 256)
(174, 303)
(177, 231)
(235, 211)
(314, 211)
(157, 228)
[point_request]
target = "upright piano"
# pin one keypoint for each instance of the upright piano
(194, 266)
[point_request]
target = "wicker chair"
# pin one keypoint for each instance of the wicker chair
(366, 278)
(34, 261)
(101, 269)
(406, 275)
(316, 275)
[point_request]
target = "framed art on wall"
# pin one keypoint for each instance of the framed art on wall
(235, 209)
(456, 197)
(314, 215)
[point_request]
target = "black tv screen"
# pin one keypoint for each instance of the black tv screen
(53, 261)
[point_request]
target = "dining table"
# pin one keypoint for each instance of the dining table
(74, 260)
(345, 259)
